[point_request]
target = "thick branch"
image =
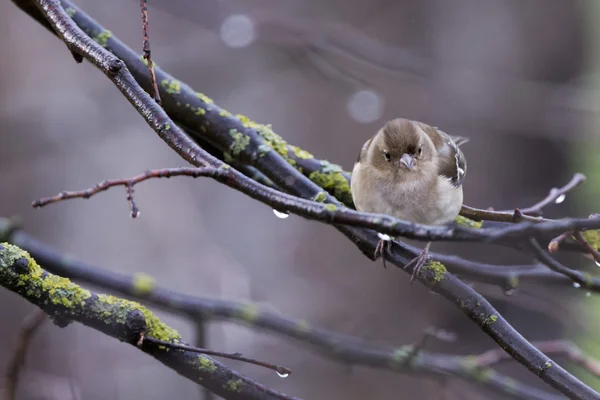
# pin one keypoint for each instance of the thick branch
(122, 319)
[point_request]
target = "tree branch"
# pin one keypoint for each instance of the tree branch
(122, 319)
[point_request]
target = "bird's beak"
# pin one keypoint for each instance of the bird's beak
(407, 160)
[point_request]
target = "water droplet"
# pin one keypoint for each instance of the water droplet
(279, 214)
(597, 263)
(509, 292)
(237, 31)
(576, 285)
(365, 106)
(588, 294)
(283, 374)
(385, 237)
(134, 213)
(560, 199)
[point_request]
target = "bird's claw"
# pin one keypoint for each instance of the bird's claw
(383, 248)
(418, 262)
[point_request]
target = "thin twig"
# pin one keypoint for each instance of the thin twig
(29, 327)
(530, 214)
(146, 51)
(559, 348)
(544, 257)
(283, 371)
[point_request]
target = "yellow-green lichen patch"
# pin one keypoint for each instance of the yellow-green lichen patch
(249, 312)
(102, 37)
(320, 197)
(334, 181)
(300, 153)
(172, 86)
(437, 268)
(547, 365)
(116, 309)
(234, 386)
(60, 291)
(206, 364)
(593, 238)
(224, 113)
(145, 61)
(330, 207)
(490, 320)
(143, 284)
(70, 11)
(464, 221)
(200, 111)
(513, 281)
(400, 356)
(273, 140)
(204, 98)
(302, 326)
(240, 142)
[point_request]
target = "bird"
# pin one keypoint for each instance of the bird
(411, 171)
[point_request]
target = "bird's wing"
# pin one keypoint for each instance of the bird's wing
(452, 163)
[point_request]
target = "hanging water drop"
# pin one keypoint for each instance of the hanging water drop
(134, 213)
(283, 374)
(576, 285)
(597, 263)
(588, 294)
(560, 199)
(279, 214)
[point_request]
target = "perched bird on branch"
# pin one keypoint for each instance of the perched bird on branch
(411, 171)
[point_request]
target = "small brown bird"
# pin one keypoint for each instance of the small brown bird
(411, 171)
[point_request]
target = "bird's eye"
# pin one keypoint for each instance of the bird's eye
(387, 155)
(420, 150)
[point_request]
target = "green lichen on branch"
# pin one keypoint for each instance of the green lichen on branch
(249, 312)
(437, 270)
(60, 297)
(490, 320)
(143, 284)
(206, 364)
(593, 238)
(469, 223)
(172, 86)
(234, 385)
(331, 178)
(102, 37)
(240, 142)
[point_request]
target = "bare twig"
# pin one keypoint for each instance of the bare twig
(531, 214)
(576, 276)
(30, 326)
(560, 348)
(146, 51)
(282, 371)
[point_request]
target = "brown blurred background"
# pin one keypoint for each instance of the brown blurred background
(519, 77)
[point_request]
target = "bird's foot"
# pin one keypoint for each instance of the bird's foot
(383, 247)
(418, 262)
